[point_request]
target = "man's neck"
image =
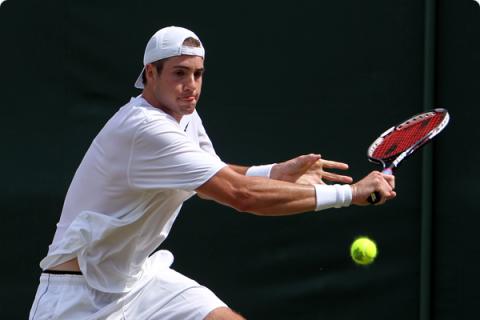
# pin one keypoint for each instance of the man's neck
(152, 101)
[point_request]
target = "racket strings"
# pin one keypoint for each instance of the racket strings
(403, 138)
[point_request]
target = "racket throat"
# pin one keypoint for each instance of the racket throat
(388, 167)
(388, 170)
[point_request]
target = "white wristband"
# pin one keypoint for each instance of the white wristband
(329, 196)
(260, 171)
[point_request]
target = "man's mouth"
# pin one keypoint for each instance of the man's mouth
(188, 98)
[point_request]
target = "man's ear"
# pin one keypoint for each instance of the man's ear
(150, 72)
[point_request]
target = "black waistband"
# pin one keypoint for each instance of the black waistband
(78, 273)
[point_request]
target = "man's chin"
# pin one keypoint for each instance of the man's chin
(187, 111)
(189, 108)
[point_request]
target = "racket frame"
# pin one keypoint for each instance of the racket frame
(389, 164)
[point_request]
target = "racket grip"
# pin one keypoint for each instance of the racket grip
(375, 196)
(387, 171)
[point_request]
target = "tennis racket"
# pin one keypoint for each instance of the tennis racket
(399, 142)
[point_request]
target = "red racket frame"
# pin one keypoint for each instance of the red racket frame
(421, 132)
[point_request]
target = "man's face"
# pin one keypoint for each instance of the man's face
(176, 89)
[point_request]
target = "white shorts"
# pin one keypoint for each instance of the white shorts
(167, 296)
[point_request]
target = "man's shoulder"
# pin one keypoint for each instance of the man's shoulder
(137, 112)
(135, 117)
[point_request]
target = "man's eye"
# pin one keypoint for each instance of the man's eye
(198, 74)
(180, 73)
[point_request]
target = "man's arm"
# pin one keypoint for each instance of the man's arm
(239, 169)
(264, 196)
(305, 169)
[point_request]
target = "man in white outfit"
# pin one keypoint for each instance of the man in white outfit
(149, 158)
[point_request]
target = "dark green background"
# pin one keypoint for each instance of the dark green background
(282, 79)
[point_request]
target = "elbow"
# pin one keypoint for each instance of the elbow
(233, 190)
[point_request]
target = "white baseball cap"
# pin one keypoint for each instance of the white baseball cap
(168, 42)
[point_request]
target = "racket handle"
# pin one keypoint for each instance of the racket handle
(388, 170)
(375, 196)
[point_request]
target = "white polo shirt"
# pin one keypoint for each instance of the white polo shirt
(128, 191)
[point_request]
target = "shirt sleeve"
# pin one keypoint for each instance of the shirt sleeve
(203, 139)
(164, 157)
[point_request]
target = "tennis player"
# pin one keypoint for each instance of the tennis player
(148, 159)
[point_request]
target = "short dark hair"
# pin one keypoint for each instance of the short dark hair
(188, 42)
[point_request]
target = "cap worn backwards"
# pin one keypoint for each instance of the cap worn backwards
(166, 43)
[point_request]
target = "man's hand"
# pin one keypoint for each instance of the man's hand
(316, 174)
(375, 181)
(309, 169)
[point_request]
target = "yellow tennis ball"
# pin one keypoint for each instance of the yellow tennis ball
(363, 251)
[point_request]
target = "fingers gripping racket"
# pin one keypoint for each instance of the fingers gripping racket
(397, 143)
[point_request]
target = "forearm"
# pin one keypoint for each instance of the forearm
(264, 196)
(273, 197)
(260, 195)
(284, 198)
(242, 170)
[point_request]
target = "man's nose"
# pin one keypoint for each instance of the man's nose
(190, 82)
